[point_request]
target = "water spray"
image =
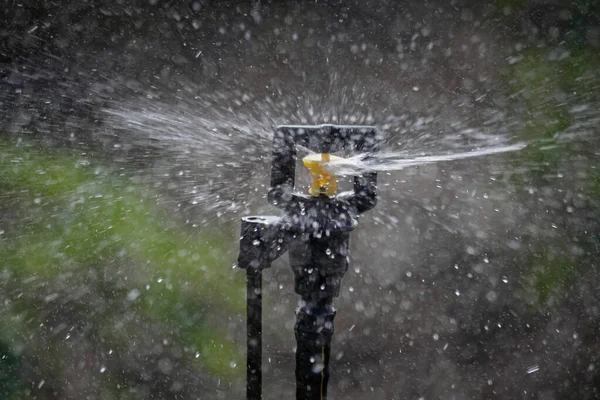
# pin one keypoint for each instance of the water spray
(315, 230)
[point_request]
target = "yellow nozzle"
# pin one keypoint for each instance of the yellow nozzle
(322, 182)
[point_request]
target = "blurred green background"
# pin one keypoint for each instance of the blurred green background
(91, 258)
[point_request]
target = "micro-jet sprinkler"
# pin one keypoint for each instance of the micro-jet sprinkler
(315, 230)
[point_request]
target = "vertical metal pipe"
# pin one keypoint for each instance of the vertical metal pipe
(314, 330)
(254, 332)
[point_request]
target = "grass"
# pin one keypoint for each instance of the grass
(552, 274)
(546, 88)
(70, 228)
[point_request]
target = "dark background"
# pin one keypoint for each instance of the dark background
(473, 279)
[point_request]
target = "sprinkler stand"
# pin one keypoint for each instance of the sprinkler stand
(315, 229)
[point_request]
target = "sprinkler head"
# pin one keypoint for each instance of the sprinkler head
(323, 183)
(323, 140)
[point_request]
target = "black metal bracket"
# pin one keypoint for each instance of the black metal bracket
(262, 241)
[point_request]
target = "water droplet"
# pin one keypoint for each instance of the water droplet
(159, 280)
(351, 289)
(133, 294)
(255, 242)
(233, 364)
(317, 368)
(436, 336)
(102, 370)
(457, 292)
(51, 297)
(491, 296)
(533, 368)
(505, 279)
